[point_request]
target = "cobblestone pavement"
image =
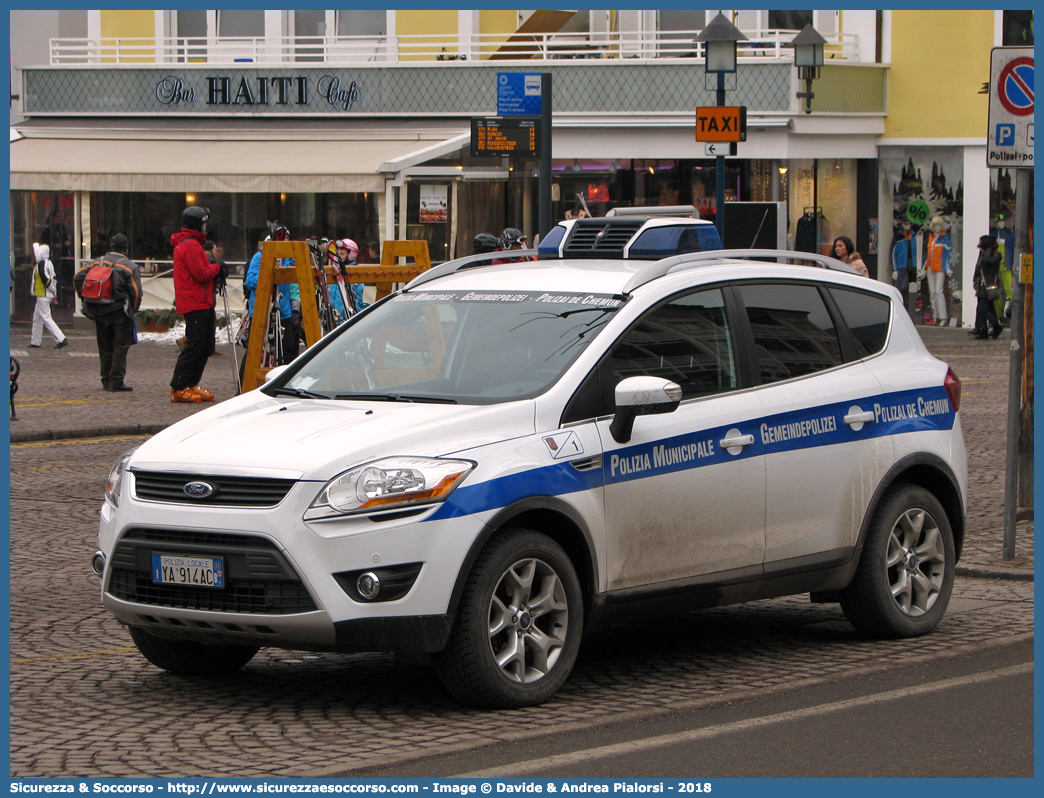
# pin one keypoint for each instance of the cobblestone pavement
(84, 703)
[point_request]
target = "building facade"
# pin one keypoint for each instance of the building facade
(357, 123)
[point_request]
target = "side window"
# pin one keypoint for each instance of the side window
(867, 317)
(793, 331)
(686, 341)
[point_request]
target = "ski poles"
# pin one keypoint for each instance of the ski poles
(231, 341)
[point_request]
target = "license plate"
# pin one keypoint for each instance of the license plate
(184, 569)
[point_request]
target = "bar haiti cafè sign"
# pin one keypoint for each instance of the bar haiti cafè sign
(250, 92)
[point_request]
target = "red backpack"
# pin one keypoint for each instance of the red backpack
(97, 284)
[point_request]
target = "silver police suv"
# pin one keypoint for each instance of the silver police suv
(501, 456)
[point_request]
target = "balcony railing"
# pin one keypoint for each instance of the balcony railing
(343, 50)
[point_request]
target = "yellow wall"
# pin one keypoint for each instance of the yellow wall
(128, 24)
(940, 59)
(498, 21)
(441, 26)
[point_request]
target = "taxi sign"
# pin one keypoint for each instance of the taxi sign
(1010, 134)
(721, 123)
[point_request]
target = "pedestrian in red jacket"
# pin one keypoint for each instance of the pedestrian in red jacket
(194, 276)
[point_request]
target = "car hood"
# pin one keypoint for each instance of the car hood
(256, 435)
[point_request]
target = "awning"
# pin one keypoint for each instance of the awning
(89, 164)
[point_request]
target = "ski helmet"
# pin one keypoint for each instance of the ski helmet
(348, 244)
(482, 243)
(194, 217)
(512, 236)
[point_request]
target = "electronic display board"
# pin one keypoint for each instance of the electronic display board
(513, 136)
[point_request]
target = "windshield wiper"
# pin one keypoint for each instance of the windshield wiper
(397, 397)
(299, 392)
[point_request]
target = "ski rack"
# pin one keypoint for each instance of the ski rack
(388, 272)
(691, 260)
(382, 275)
(269, 276)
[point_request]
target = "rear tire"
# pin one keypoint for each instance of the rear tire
(905, 576)
(189, 658)
(518, 625)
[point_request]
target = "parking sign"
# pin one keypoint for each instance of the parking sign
(1010, 138)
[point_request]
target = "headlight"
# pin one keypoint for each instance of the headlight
(116, 478)
(390, 483)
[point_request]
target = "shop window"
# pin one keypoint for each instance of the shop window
(42, 217)
(1018, 28)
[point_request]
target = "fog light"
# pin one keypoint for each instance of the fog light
(368, 585)
(98, 563)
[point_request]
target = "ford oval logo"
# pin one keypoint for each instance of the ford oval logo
(199, 490)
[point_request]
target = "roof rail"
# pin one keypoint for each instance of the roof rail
(690, 260)
(468, 262)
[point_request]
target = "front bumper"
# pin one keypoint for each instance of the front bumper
(281, 574)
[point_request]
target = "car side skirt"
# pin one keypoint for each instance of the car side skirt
(819, 572)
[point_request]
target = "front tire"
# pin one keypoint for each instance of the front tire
(189, 658)
(518, 624)
(905, 576)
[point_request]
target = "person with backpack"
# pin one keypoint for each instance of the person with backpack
(45, 289)
(194, 276)
(110, 292)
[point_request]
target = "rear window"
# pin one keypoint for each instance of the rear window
(794, 333)
(867, 317)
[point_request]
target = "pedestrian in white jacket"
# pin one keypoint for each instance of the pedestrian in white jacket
(45, 289)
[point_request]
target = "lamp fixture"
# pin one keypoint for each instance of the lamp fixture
(719, 39)
(808, 58)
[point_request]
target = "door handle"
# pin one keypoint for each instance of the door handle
(859, 418)
(739, 440)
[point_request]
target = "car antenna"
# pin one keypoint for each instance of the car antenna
(754, 241)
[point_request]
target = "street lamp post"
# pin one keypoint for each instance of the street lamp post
(719, 38)
(808, 58)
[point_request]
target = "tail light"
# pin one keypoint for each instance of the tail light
(953, 389)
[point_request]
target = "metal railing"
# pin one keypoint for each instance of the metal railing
(529, 47)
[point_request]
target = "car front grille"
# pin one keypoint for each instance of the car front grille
(169, 487)
(258, 578)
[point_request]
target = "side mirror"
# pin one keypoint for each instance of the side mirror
(271, 374)
(642, 396)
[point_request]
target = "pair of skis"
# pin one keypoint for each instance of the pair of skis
(323, 288)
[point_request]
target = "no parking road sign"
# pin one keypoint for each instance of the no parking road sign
(1010, 137)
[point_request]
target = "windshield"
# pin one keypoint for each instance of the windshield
(479, 347)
